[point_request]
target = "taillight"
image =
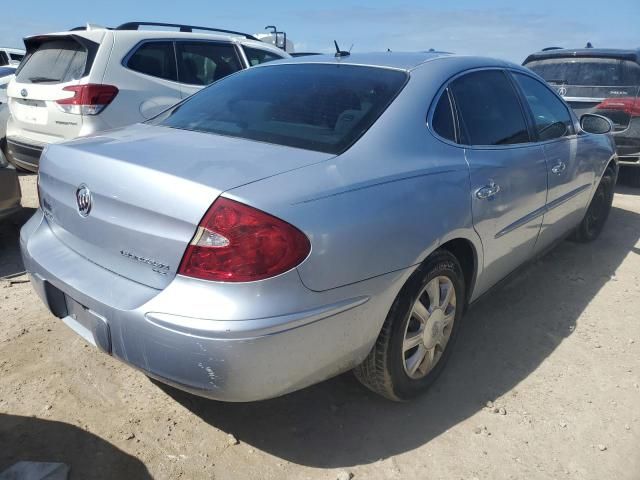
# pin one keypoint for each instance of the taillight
(89, 99)
(238, 243)
(628, 105)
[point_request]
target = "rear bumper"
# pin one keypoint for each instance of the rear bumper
(628, 143)
(10, 194)
(230, 359)
(23, 153)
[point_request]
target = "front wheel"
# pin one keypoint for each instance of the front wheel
(419, 332)
(598, 211)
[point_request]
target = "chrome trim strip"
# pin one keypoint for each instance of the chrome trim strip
(542, 210)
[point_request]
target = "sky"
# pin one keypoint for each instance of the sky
(497, 28)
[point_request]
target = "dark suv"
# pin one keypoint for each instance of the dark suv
(602, 81)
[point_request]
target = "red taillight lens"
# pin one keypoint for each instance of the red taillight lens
(238, 243)
(89, 99)
(628, 105)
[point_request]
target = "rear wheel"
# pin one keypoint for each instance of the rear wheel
(598, 211)
(419, 332)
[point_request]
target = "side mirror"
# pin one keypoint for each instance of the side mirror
(592, 123)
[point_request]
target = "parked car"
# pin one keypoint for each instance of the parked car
(10, 194)
(11, 56)
(304, 218)
(602, 81)
(77, 83)
(6, 74)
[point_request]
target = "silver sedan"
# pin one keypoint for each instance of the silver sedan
(312, 216)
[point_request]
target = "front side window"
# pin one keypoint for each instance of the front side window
(489, 109)
(54, 61)
(16, 56)
(321, 107)
(156, 59)
(442, 121)
(4, 60)
(256, 56)
(202, 63)
(551, 117)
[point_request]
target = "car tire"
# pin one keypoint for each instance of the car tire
(630, 176)
(598, 211)
(387, 369)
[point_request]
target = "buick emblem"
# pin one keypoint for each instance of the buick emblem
(562, 91)
(83, 200)
(24, 92)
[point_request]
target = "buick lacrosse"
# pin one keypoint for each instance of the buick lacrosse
(303, 218)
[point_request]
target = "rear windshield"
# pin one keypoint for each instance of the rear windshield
(322, 107)
(54, 61)
(592, 72)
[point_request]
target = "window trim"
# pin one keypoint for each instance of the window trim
(125, 60)
(248, 64)
(241, 61)
(530, 115)
(446, 85)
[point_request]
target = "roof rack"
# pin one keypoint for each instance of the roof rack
(181, 27)
(551, 48)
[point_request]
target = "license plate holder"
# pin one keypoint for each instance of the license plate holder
(91, 326)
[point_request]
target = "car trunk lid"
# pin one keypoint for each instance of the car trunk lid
(150, 187)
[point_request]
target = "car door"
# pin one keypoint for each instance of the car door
(202, 62)
(569, 179)
(151, 83)
(508, 176)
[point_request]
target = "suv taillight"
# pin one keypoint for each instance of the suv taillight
(628, 105)
(238, 243)
(89, 99)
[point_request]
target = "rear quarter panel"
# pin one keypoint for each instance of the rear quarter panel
(383, 205)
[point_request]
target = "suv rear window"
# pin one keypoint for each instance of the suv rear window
(54, 61)
(312, 106)
(591, 72)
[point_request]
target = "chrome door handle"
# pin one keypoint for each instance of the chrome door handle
(488, 191)
(559, 168)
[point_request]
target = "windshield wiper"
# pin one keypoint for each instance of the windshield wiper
(43, 79)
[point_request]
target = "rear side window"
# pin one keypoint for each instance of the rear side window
(322, 107)
(156, 59)
(4, 60)
(256, 56)
(202, 63)
(489, 109)
(16, 56)
(591, 72)
(54, 61)
(442, 121)
(551, 117)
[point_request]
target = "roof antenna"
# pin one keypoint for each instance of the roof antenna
(341, 53)
(589, 45)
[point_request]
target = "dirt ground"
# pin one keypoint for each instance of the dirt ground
(555, 351)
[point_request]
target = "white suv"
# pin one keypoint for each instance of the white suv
(87, 80)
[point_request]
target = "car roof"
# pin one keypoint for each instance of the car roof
(166, 34)
(619, 53)
(406, 61)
